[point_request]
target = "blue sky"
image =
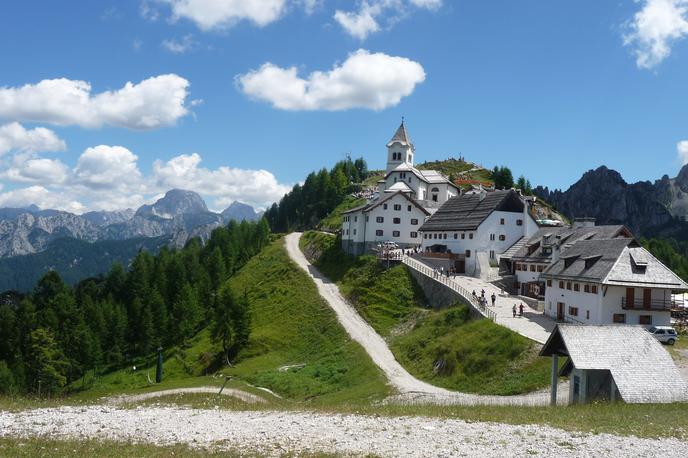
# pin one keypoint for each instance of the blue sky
(231, 109)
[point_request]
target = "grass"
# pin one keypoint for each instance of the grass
(333, 221)
(384, 297)
(292, 325)
(449, 349)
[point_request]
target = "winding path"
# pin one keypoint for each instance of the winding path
(410, 388)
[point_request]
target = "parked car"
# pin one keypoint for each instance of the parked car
(665, 334)
(390, 245)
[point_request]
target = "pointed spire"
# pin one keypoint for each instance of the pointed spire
(401, 135)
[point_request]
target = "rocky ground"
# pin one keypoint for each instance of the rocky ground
(275, 433)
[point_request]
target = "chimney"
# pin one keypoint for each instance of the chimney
(556, 248)
(583, 222)
(481, 193)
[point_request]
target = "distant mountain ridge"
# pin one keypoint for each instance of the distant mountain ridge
(647, 208)
(180, 214)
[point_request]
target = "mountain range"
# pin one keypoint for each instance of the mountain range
(651, 209)
(180, 214)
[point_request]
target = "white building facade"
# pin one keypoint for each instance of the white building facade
(406, 198)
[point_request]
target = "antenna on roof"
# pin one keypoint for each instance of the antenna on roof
(402, 119)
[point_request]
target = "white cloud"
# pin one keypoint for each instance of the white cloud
(364, 80)
(15, 137)
(42, 197)
(184, 44)
(155, 102)
(225, 184)
(220, 14)
(366, 20)
(41, 170)
(682, 150)
(107, 167)
(654, 29)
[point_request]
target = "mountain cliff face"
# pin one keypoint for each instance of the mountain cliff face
(180, 214)
(644, 207)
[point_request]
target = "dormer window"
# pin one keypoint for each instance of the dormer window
(589, 262)
(570, 260)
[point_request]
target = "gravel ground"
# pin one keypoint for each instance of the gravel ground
(407, 385)
(230, 392)
(275, 433)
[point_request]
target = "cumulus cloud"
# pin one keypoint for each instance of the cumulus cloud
(366, 19)
(654, 29)
(108, 178)
(364, 80)
(155, 102)
(222, 14)
(682, 150)
(15, 137)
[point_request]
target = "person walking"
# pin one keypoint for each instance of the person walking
(494, 298)
(520, 309)
(513, 309)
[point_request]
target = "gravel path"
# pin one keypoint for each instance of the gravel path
(231, 392)
(276, 433)
(379, 352)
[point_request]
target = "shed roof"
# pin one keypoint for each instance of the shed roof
(642, 369)
(467, 211)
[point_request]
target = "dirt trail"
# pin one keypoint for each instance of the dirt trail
(409, 387)
(231, 392)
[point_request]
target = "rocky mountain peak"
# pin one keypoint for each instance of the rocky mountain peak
(175, 202)
(239, 211)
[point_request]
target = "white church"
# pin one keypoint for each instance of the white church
(406, 198)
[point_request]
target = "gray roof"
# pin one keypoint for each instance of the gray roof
(401, 136)
(590, 260)
(467, 211)
(568, 236)
(642, 369)
(619, 261)
(376, 203)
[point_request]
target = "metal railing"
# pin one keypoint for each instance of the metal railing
(654, 304)
(451, 284)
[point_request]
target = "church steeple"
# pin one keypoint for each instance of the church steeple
(400, 149)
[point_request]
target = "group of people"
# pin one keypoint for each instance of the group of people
(442, 272)
(482, 300)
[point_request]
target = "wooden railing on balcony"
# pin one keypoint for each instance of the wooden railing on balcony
(654, 304)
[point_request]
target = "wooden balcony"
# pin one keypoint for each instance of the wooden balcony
(665, 305)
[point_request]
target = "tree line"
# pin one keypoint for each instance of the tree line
(504, 179)
(305, 205)
(54, 335)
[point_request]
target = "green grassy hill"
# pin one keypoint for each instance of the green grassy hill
(443, 347)
(333, 221)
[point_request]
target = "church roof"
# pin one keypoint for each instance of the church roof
(401, 136)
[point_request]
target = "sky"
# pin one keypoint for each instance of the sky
(107, 104)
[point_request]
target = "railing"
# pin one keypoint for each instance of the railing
(654, 304)
(451, 284)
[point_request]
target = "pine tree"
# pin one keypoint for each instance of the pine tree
(47, 365)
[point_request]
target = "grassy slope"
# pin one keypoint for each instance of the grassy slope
(333, 221)
(475, 356)
(293, 325)
(385, 298)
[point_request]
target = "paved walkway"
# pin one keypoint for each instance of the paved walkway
(410, 388)
(532, 324)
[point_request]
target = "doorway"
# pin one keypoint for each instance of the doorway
(560, 311)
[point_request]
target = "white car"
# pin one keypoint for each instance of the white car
(665, 334)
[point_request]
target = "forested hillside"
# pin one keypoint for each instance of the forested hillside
(54, 335)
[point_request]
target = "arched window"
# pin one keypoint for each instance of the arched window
(435, 194)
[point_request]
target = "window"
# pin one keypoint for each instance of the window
(347, 232)
(561, 284)
(501, 221)
(587, 314)
(384, 206)
(409, 208)
(380, 219)
(568, 285)
(519, 222)
(355, 219)
(532, 267)
(434, 236)
(414, 222)
(540, 268)
(379, 233)
(396, 233)
(619, 318)
(468, 253)
(586, 288)
(492, 254)
(593, 289)
(396, 220)
(445, 237)
(397, 207)
(549, 282)
(414, 235)
(576, 287)
(354, 231)
(425, 236)
(456, 236)
(492, 236)
(470, 236)
(573, 311)
(502, 237)
(367, 218)
(463, 235)
(645, 319)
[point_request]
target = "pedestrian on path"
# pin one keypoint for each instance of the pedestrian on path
(513, 309)
(494, 298)
(520, 309)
